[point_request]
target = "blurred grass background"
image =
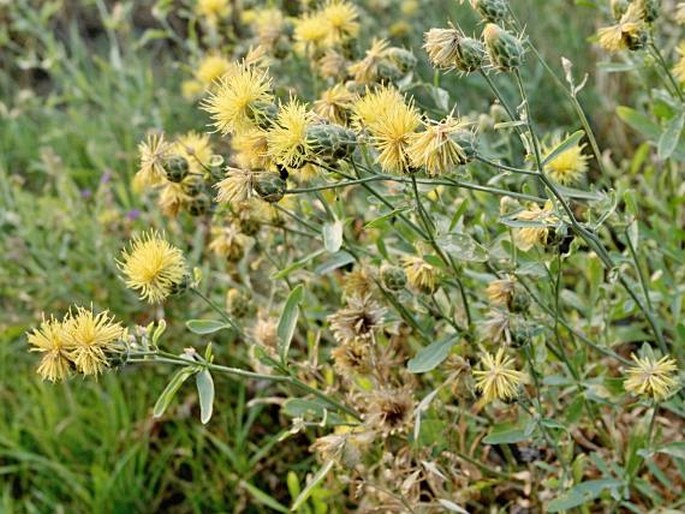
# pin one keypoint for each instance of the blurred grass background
(77, 96)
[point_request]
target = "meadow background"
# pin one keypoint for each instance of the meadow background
(80, 84)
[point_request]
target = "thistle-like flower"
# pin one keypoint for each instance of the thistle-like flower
(359, 319)
(228, 243)
(340, 17)
(311, 31)
(390, 410)
(238, 186)
(211, 68)
(568, 166)
(420, 274)
(153, 267)
(172, 198)
(366, 70)
(540, 217)
(498, 380)
(371, 107)
(196, 149)
(450, 49)
(392, 134)
(335, 104)
(651, 377)
(352, 357)
(437, 149)
(238, 101)
(287, 140)
(92, 339)
(153, 154)
(501, 292)
(629, 33)
(49, 339)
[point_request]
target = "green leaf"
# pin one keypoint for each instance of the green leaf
(205, 392)
(263, 498)
(205, 326)
(288, 321)
(333, 235)
(674, 449)
(567, 143)
(171, 389)
(462, 247)
(670, 137)
(431, 356)
(296, 265)
(639, 122)
(337, 260)
(582, 493)
(507, 434)
(311, 485)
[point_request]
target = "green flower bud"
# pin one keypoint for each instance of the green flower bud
(494, 11)
(331, 143)
(199, 205)
(176, 168)
(193, 185)
(470, 55)
(393, 277)
(504, 49)
(270, 187)
(404, 60)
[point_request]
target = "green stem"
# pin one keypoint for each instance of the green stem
(221, 312)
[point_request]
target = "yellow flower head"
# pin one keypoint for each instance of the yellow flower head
(366, 70)
(374, 104)
(420, 274)
(238, 98)
(442, 47)
(50, 340)
(238, 186)
(680, 13)
(287, 139)
(153, 266)
(335, 104)
(392, 133)
(652, 377)
(500, 292)
(527, 237)
(310, 32)
(90, 338)
(679, 68)
(213, 10)
(436, 149)
(172, 198)
(251, 149)
(196, 149)
(629, 33)
(211, 68)
(227, 242)
(341, 21)
(268, 26)
(568, 166)
(498, 380)
(153, 154)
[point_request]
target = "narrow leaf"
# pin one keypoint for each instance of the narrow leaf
(288, 321)
(670, 137)
(311, 485)
(205, 326)
(205, 392)
(582, 493)
(171, 389)
(263, 498)
(567, 143)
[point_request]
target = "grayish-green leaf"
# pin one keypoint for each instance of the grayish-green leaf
(288, 321)
(431, 356)
(205, 392)
(582, 493)
(205, 326)
(171, 389)
(462, 247)
(333, 235)
(670, 136)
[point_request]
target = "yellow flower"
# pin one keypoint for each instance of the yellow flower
(50, 340)
(212, 67)
(568, 166)
(238, 99)
(196, 149)
(213, 10)
(287, 140)
(251, 149)
(341, 21)
(227, 242)
(153, 153)
(651, 377)
(153, 266)
(420, 274)
(310, 32)
(498, 380)
(366, 70)
(335, 104)
(236, 187)
(392, 134)
(374, 104)
(191, 89)
(680, 13)
(268, 26)
(90, 338)
(172, 198)
(436, 149)
(500, 292)
(628, 33)
(679, 68)
(527, 237)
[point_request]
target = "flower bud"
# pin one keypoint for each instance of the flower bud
(470, 55)
(193, 185)
(238, 303)
(504, 49)
(270, 187)
(176, 168)
(199, 205)
(405, 60)
(494, 11)
(393, 277)
(331, 143)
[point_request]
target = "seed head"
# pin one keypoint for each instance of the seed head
(629, 33)
(358, 320)
(420, 274)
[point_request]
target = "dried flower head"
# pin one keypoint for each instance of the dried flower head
(265, 332)
(442, 46)
(437, 149)
(238, 186)
(420, 274)
(346, 447)
(153, 153)
(91, 339)
(498, 380)
(540, 218)
(228, 243)
(251, 149)
(50, 340)
(287, 140)
(629, 33)
(360, 318)
(153, 266)
(500, 292)
(172, 199)
(239, 99)
(358, 282)
(332, 65)
(568, 166)
(390, 410)
(651, 377)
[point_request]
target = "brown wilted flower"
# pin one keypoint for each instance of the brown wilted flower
(352, 357)
(500, 292)
(390, 410)
(359, 319)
